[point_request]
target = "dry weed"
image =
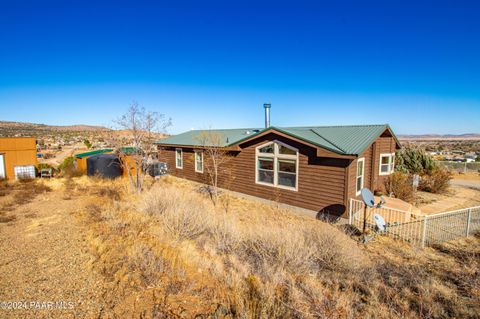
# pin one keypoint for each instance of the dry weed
(259, 261)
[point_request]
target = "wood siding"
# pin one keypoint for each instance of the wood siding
(372, 180)
(324, 184)
(321, 180)
(18, 151)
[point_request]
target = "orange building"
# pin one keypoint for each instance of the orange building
(18, 157)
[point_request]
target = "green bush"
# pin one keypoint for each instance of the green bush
(68, 167)
(410, 160)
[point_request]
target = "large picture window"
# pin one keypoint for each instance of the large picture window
(387, 164)
(360, 175)
(277, 165)
(178, 158)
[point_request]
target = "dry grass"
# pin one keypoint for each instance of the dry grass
(170, 252)
(18, 193)
(469, 176)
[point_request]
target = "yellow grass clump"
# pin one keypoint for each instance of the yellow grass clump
(169, 252)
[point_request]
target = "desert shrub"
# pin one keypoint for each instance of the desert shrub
(409, 160)
(183, 215)
(68, 167)
(412, 160)
(301, 249)
(400, 185)
(68, 162)
(437, 181)
(4, 187)
(147, 264)
(271, 247)
(109, 191)
(27, 190)
(226, 235)
(7, 219)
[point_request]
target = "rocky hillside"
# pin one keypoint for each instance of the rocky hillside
(33, 129)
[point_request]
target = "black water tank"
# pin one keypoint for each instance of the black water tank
(104, 165)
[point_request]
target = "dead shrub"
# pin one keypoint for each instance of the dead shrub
(183, 215)
(144, 262)
(4, 187)
(399, 185)
(436, 182)
(301, 249)
(94, 213)
(27, 190)
(7, 219)
(225, 235)
(110, 192)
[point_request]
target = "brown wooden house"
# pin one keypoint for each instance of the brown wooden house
(315, 168)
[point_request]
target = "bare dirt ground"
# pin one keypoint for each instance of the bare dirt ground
(45, 261)
(457, 197)
(469, 176)
(96, 250)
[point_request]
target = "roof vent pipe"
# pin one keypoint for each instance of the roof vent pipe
(267, 107)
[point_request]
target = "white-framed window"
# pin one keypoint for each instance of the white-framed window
(178, 158)
(392, 163)
(277, 165)
(387, 163)
(199, 161)
(360, 175)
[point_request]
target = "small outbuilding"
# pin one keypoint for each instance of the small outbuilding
(18, 157)
(104, 165)
(81, 159)
(85, 163)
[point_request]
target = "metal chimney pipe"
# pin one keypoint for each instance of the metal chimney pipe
(267, 107)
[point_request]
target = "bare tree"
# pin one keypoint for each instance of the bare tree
(141, 126)
(217, 155)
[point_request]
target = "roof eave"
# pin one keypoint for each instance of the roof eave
(387, 127)
(322, 151)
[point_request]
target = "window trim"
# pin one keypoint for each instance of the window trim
(195, 159)
(361, 159)
(391, 164)
(276, 156)
(181, 158)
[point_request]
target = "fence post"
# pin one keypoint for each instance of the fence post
(468, 222)
(424, 231)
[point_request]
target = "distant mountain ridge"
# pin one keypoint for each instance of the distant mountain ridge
(469, 136)
(21, 126)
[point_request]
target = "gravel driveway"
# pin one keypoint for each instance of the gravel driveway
(45, 266)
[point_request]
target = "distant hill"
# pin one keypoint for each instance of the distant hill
(20, 127)
(438, 137)
(8, 129)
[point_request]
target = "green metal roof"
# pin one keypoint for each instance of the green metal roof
(125, 150)
(194, 137)
(87, 154)
(344, 140)
(129, 150)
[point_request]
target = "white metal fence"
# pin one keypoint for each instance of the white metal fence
(418, 229)
(461, 166)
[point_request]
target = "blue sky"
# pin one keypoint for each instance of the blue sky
(415, 65)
